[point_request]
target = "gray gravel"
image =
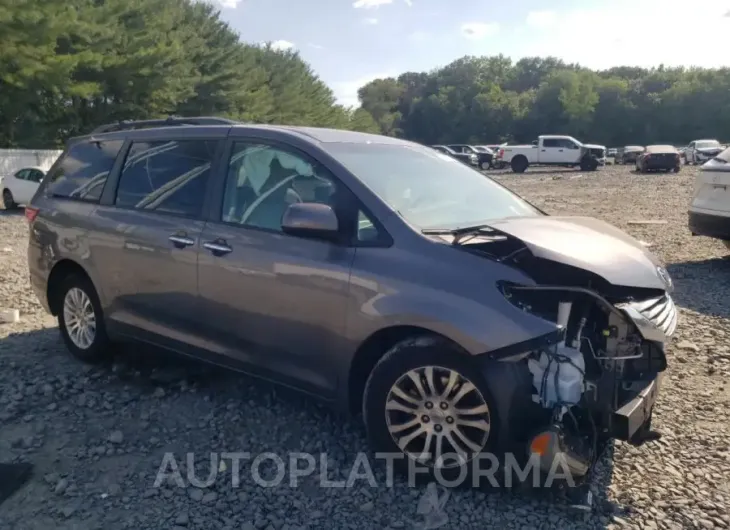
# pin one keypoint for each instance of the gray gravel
(97, 436)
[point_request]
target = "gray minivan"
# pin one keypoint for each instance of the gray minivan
(375, 273)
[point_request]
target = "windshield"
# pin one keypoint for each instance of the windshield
(427, 188)
(725, 155)
(707, 144)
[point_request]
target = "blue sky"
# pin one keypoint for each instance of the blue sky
(351, 42)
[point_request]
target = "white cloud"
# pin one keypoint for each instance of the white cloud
(370, 4)
(367, 4)
(418, 36)
(613, 42)
(346, 91)
(541, 19)
(479, 30)
(282, 45)
(232, 4)
(372, 21)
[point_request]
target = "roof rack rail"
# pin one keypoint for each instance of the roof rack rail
(166, 122)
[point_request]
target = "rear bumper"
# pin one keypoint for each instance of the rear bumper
(715, 226)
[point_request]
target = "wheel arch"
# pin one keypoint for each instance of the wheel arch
(62, 269)
(375, 347)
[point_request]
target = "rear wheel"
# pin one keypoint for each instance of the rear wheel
(486, 165)
(519, 164)
(429, 402)
(8, 200)
(678, 168)
(80, 319)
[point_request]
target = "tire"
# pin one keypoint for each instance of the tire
(588, 163)
(8, 200)
(485, 165)
(77, 292)
(678, 169)
(419, 356)
(519, 164)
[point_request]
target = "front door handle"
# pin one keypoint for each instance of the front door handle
(181, 241)
(543, 150)
(218, 247)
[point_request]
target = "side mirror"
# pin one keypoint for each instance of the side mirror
(310, 220)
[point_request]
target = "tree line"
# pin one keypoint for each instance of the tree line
(69, 66)
(483, 100)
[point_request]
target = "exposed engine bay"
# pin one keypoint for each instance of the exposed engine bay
(595, 378)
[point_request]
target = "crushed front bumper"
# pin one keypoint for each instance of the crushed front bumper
(634, 416)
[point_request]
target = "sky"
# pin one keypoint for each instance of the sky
(352, 42)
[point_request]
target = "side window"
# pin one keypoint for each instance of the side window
(366, 230)
(168, 176)
(22, 174)
(263, 181)
(35, 175)
(568, 144)
(551, 142)
(83, 170)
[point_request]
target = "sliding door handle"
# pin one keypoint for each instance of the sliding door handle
(217, 248)
(181, 241)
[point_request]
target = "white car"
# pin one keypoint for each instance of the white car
(19, 188)
(700, 151)
(709, 212)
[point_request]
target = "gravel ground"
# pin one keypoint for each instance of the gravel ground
(97, 436)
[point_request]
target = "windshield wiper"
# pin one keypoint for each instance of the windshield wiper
(459, 233)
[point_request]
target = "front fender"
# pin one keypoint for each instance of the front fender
(463, 304)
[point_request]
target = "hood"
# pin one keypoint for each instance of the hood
(594, 146)
(588, 244)
(710, 150)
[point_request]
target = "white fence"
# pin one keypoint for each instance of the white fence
(11, 160)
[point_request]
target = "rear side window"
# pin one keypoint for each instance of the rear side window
(551, 142)
(83, 170)
(168, 177)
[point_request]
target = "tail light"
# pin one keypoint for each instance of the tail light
(500, 154)
(31, 213)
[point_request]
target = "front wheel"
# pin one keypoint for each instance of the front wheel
(8, 200)
(588, 164)
(430, 403)
(486, 165)
(81, 321)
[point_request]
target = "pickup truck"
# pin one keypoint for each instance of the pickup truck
(550, 150)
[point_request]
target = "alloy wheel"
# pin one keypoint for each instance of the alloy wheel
(437, 416)
(79, 318)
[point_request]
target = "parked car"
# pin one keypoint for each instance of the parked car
(19, 187)
(484, 155)
(629, 154)
(700, 151)
(497, 164)
(369, 271)
(469, 159)
(612, 152)
(659, 158)
(709, 211)
(550, 150)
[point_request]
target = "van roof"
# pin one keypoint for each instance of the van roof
(164, 126)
